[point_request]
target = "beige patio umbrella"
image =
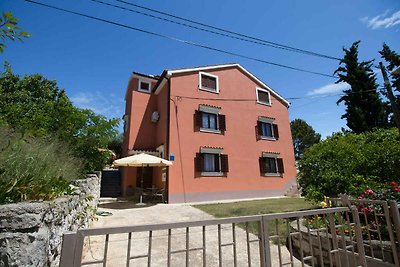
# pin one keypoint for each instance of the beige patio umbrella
(142, 160)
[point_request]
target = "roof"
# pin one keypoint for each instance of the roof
(170, 72)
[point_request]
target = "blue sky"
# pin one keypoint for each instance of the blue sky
(93, 60)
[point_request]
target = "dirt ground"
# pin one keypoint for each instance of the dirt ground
(128, 213)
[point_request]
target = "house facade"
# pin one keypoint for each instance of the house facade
(226, 132)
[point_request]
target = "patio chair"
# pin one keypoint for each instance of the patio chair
(159, 194)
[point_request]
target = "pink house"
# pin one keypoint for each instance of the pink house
(226, 132)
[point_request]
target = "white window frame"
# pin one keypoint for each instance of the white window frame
(208, 89)
(144, 81)
(269, 96)
(275, 156)
(211, 110)
(216, 151)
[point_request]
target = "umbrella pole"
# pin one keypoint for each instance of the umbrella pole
(141, 185)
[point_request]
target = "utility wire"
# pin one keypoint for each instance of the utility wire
(274, 44)
(211, 31)
(287, 98)
(180, 40)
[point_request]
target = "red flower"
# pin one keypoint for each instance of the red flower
(397, 189)
(393, 184)
(361, 196)
(369, 192)
(366, 210)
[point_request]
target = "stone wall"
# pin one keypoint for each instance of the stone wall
(31, 232)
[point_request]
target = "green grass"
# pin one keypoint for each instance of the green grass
(257, 207)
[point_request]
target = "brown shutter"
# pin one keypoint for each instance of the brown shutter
(224, 163)
(199, 162)
(262, 163)
(276, 132)
(222, 123)
(198, 119)
(280, 165)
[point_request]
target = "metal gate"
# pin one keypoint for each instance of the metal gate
(322, 237)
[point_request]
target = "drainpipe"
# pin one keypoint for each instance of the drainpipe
(168, 135)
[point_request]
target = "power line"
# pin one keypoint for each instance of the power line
(287, 98)
(247, 39)
(276, 45)
(180, 40)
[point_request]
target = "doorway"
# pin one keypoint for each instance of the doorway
(147, 177)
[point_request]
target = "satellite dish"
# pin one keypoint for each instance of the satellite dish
(155, 116)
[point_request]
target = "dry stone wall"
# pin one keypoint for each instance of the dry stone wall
(31, 232)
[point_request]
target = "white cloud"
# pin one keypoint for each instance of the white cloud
(329, 89)
(111, 106)
(382, 20)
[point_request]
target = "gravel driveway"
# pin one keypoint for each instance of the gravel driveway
(125, 213)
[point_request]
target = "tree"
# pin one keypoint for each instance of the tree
(303, 136)
(35, 106)
(393, 60)
(365, 109)
(9, 29)
(349, 163)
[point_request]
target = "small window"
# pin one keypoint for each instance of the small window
(211, 163)
(263, 96)
(144, 86)
(271, 166)
(209, 122)
(208, 82)
(267, 130)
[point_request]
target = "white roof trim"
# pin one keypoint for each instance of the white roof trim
(143, 78)
(171, 72)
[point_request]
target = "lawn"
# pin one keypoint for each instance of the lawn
(257, 207)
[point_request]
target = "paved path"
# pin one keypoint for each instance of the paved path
(128, 214)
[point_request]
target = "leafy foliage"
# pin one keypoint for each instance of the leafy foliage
(37, 107)
(393, 60)
(349, 163)
(9, 29)
(365, 109)
(34, 168)
(303, 136)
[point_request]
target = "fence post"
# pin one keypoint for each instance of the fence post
(359, 238)
(68, 249)
(267, 249)
(261, 243)
(394, 211)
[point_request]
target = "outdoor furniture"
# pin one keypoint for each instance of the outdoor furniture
(159, 194)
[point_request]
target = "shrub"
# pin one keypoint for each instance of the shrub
(34, 169)
(349, 163)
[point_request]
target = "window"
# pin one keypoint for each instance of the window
(271, 165)
(263, 96)
(208, 119)
(210, 162)
(266, 129)
(208, 82)
(144, 86)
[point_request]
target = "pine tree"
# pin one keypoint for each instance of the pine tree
(303, 136)
(393, 60)
(365, 109)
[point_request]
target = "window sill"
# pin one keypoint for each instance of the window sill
(144, 91)
(209, 90)
(273, 174)
(263, 103)
(211, 174)
(268, 138)
(206, 130)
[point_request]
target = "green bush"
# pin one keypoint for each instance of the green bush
(349, 163)
(34, 169)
